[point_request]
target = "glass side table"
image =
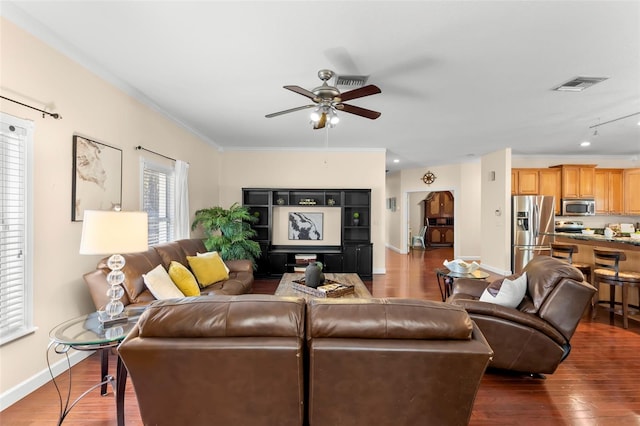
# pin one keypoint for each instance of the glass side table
(86, 333)
(447, 276)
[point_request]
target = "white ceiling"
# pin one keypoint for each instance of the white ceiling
(459, 79)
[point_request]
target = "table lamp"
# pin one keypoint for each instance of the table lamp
(109, 232)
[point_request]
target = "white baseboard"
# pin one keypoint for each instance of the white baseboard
(495, 270)
(396, 249)
(23, 389)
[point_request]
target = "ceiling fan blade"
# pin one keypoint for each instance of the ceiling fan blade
(287, 111)
(362, 112)
(360, 92)
(304, 92)
(321, 123)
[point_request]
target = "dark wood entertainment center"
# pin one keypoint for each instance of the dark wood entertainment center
(354, 252)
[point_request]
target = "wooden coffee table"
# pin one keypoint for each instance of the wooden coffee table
(285, 288)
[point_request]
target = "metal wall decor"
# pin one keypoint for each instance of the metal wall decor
(429, 177)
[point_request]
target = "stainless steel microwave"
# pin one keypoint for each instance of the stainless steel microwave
(578, 207)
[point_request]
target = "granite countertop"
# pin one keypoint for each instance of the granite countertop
(597, 237)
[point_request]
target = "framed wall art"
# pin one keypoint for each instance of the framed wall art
(305, 226)
(97, 177)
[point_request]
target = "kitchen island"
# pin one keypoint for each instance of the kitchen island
(599, 239)
(587, 243)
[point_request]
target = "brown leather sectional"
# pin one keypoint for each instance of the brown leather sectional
(270, 360)
(136, 293)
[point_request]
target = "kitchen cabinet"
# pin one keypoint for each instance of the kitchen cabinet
(527, 181)
(631, 185)
(608, 191)
(577, 180)
(537, 182)
(439, 218)
(550, 183)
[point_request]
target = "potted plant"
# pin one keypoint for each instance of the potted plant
(229, 232)
(356, 218)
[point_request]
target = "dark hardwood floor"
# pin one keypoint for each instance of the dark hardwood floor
(598, 384)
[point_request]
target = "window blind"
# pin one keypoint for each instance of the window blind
(15, 285)
(158, 201)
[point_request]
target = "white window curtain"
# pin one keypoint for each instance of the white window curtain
(16, 224)
(182, 225)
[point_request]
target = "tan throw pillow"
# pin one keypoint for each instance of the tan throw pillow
(208, 269)
(214, 253)
(183, 279)
(160, 284)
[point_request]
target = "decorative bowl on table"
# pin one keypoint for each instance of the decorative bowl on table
(588, 232)
(460, 266)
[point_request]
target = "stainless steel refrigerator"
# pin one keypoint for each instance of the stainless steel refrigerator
(533, 223)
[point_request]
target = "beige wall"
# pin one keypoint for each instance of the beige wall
(416, 211)
(495, 211)
(310, 169)
(463, 181)
(34, 73)
(393, 188)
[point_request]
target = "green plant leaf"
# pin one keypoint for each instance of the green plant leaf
(229, 232)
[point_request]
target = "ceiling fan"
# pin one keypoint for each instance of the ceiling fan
(328, 101)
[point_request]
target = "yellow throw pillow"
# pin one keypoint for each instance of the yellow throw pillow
(214, 253)
(183, 279)
(208, 269)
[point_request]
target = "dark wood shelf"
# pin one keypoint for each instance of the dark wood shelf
(355, 252)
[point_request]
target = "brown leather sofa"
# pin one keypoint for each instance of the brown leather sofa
(242, 360)
(227, 360)
(534, 337)
(392, 362)
(136, 293)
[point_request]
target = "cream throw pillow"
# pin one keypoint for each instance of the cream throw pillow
(214, 253)
(160, 284)
(183, 279)
(511, 292)
(208, 269)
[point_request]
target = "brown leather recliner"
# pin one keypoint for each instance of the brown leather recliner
(136, 293)
(224, 360)
(392, 362)
(534, 337)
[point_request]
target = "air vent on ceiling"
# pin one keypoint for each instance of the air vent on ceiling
(578, 84)
(351, 80)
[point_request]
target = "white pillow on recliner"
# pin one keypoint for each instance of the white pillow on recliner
(511, 292)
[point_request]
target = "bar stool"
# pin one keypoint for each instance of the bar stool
(565, 252)
(607, 271)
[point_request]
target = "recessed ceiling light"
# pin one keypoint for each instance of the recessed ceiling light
(396, 161)
(585, 143)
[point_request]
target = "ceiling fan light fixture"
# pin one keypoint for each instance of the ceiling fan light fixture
(315, 115)
(333, 117)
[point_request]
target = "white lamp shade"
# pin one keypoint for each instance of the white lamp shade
(109, 232)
